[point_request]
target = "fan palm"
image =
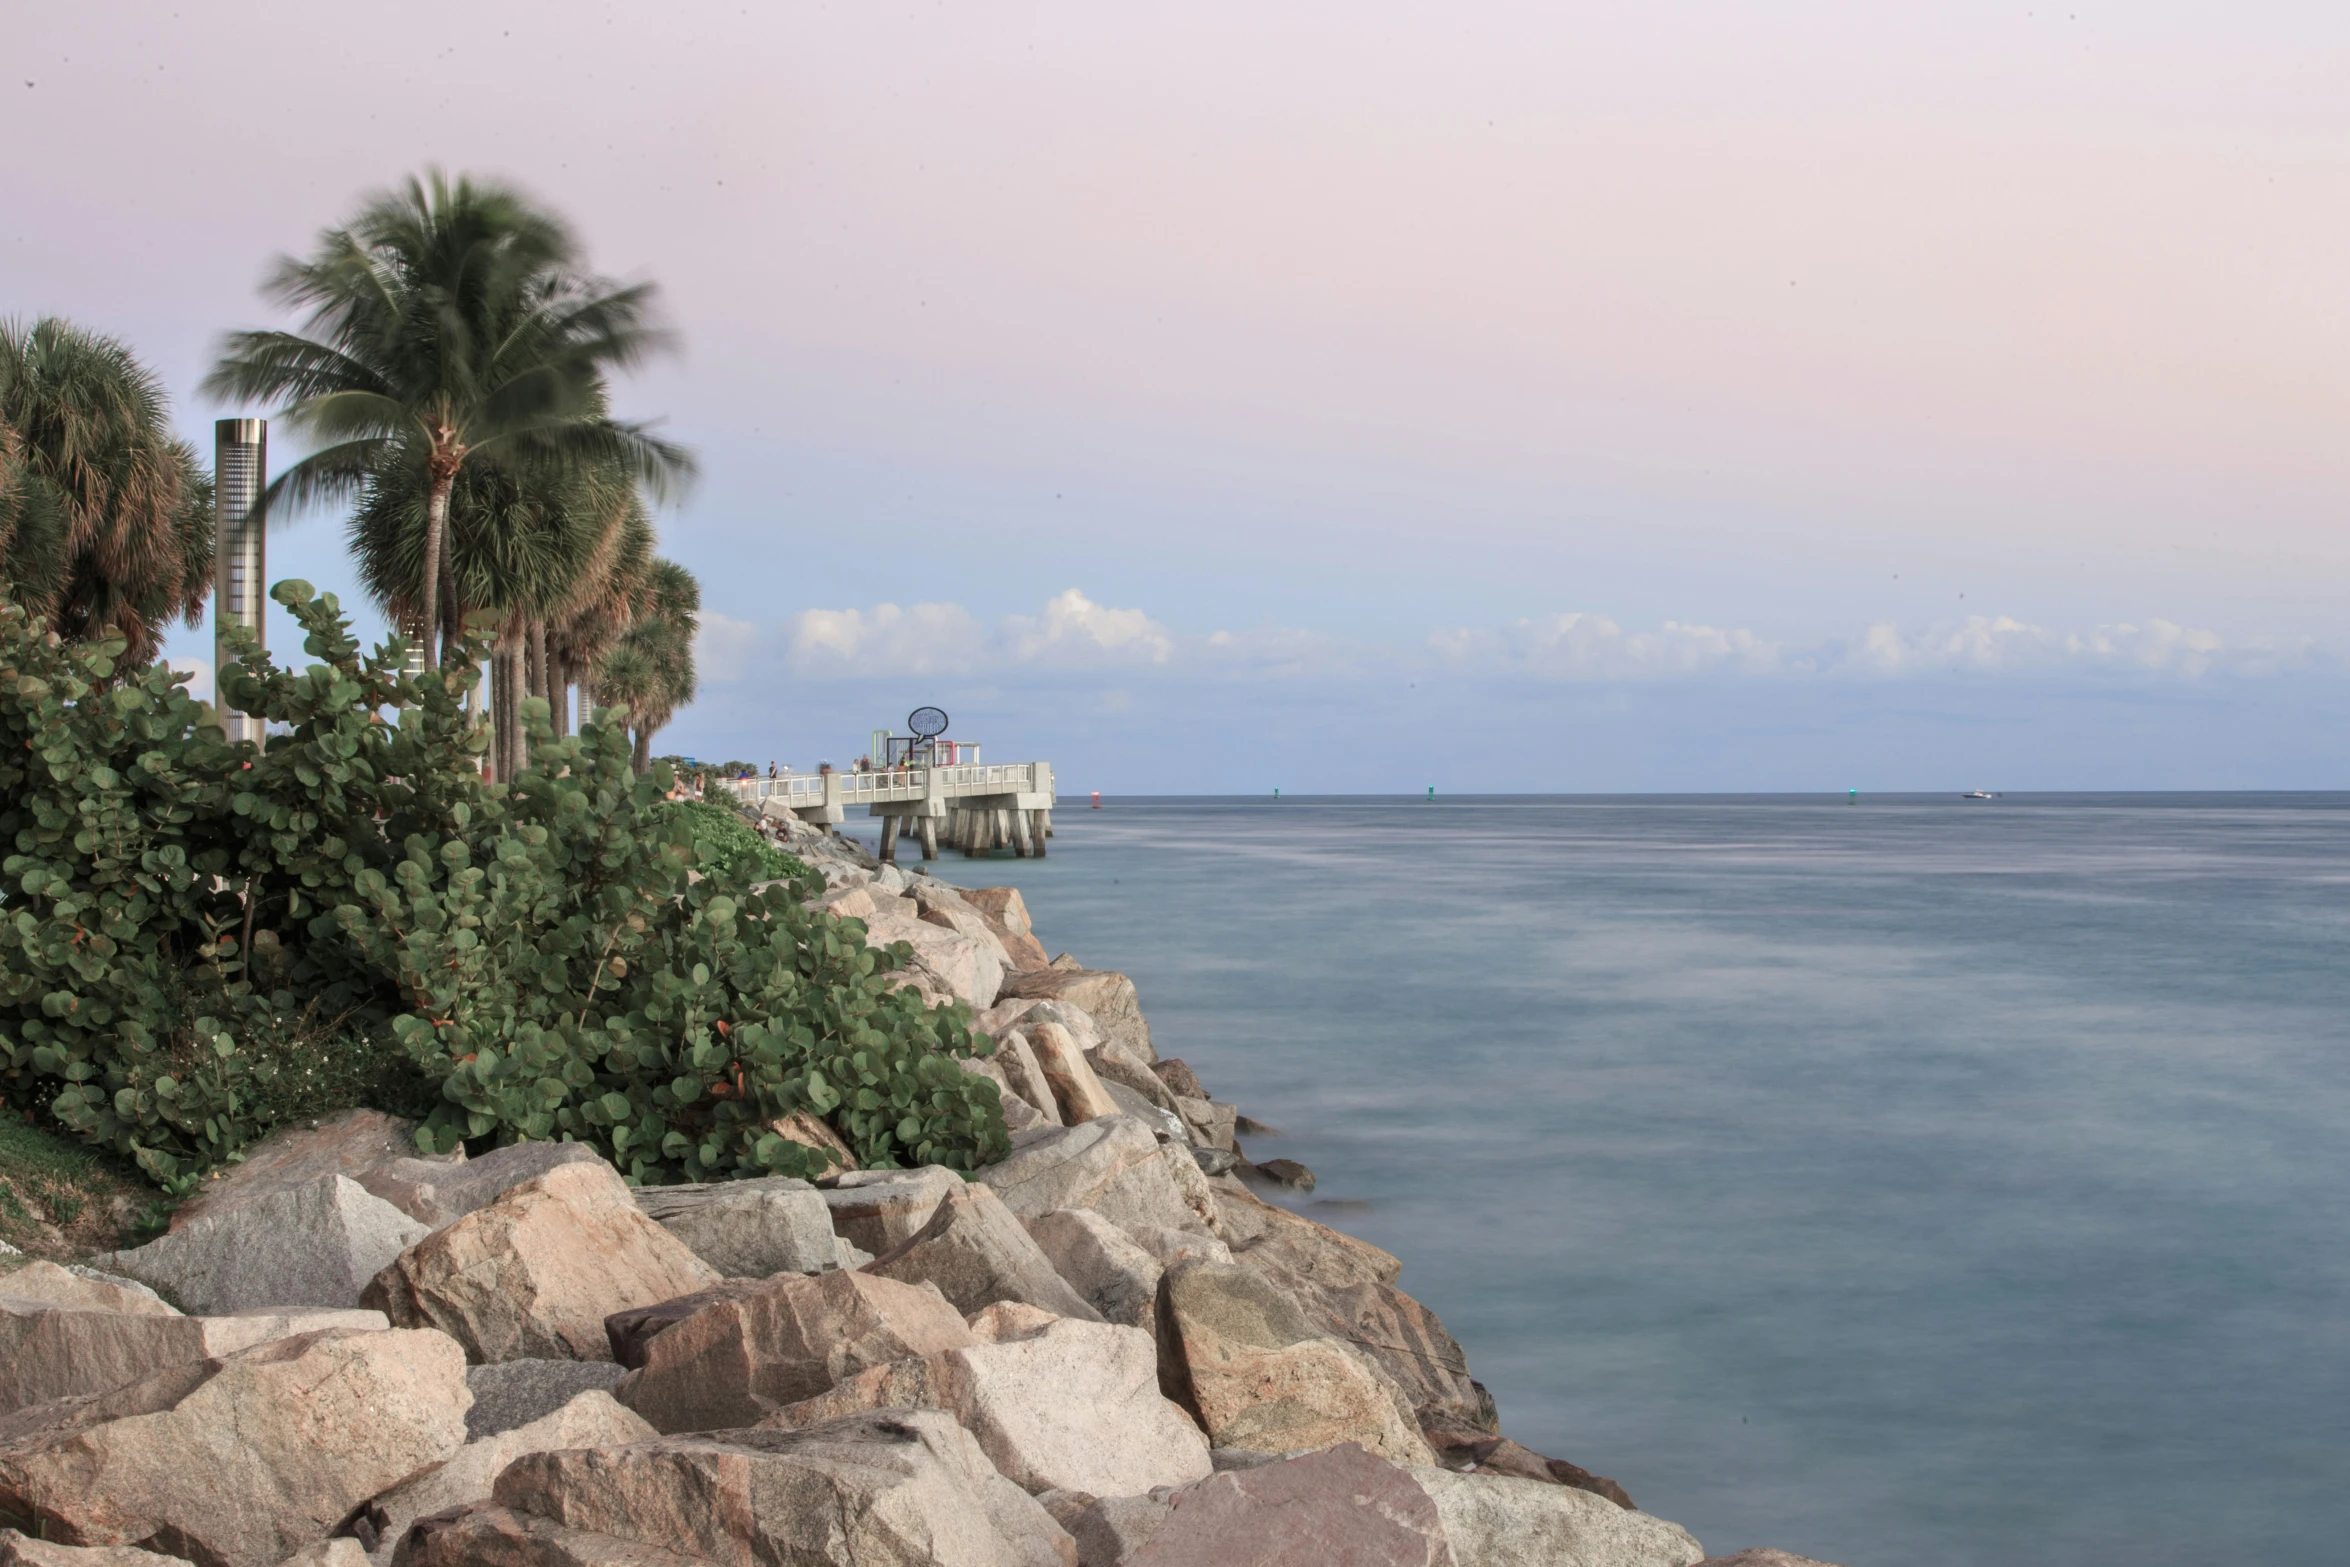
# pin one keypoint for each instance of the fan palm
(105, 515)
(449, 322)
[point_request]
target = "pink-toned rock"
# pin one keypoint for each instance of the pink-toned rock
(1064, 1406)
(238, 1462)
(1108, 998)
(436, 1194)
(1339, 1506)
(880, 1210)
(909, 1488)
(47, 1284)
(22, 1550)
(1762, 1556)
(1076, 1089)
(1500, 1521)
(350, 1144)
(975, 1253)
(1273, 1240)
(1114, 1166)
(53, 1352)
(1237, 1352)
(592, 1419)
(1007, 915)
(738, 1360)
(1025, 1074)
(534, 1274)
(487, 1535)
(957, 965)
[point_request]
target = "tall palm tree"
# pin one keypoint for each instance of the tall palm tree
(650, 669)
(105, 515)
(450, 321)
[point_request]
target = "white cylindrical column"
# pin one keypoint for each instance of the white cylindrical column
(240, 561)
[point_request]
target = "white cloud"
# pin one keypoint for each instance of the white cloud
(1071, 634)
(724, 647)
(1074, 629)
(1582, 646)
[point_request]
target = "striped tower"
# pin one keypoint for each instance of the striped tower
(240, 469)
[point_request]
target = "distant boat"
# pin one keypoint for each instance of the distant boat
(1978, 794)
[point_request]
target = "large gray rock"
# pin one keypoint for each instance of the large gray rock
(356, 1143)
(1057, 1405)
(238, 1462)
(1291, 1247)
(740, 1358)
(1165, 1124)
(747, 1229)
(589, 1419)
(516, 1392)
(22, 1550)
(52, 1352)
(909, 1488)
(1500, 1521)
(1342, 1505)
(945, 963)
(1102, 1263)
(533, 1275)
(438, 1194)
(316, 1244)
(1106, 997)
(1762, 1556)
(1238, 1353)
(976, 1253)
(1017, 1059)
(879, 1210)
(1114, 1166)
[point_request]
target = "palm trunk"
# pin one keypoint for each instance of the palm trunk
(644, 751)
(559, 697)
(540, 683)
(436, 522)
(516, 676)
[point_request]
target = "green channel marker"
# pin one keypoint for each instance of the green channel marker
(1431, 792)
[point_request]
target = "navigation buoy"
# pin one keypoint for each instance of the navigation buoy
(1853, 798)
(1276, 794)
(1431, 794)
(1097, 799)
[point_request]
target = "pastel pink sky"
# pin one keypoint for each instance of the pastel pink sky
(1366, 322)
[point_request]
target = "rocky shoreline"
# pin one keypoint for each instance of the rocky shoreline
(1105, 1350)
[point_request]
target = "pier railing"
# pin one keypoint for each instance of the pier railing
(974, 806)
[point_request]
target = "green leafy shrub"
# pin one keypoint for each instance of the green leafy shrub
(725, 843)
(199, 941)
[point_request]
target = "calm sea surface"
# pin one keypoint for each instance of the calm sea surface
(1905, 1184)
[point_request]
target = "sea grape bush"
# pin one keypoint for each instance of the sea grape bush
(724, 842)
(189, 927)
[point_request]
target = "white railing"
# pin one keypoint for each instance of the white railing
(912, 783)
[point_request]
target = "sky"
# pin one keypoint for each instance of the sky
(1368, 397)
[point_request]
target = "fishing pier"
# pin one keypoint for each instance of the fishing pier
(970, 806)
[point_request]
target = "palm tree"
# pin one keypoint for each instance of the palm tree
(528, 542)
(650, 669)
(450, 322)
(105, 515)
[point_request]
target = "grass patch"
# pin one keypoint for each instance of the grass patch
(59, 1199)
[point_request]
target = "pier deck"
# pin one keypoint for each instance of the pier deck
(971, 806)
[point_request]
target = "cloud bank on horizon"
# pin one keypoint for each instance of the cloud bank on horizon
(1073, 635)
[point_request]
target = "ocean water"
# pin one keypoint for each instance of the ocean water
(1914, 1183)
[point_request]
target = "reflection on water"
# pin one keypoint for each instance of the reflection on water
(1919, 1182)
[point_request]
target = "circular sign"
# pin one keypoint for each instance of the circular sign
(926, 722)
